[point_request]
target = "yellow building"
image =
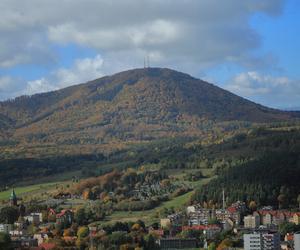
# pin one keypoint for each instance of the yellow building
(296, 218)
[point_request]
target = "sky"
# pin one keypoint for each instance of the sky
(249, 47)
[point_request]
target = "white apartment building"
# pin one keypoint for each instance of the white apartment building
(297, 241)
(262, 241)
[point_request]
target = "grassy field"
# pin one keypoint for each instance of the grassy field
(21, 191)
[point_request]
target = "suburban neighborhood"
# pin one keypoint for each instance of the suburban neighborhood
(237, 226)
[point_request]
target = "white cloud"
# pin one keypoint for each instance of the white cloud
(267, 89)
(191, 31)
(83, 70)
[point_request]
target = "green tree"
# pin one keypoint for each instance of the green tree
(252, 206)
(281, 201)
(150, 243)
(212, 246)
(9, 215)
(80, 216)
(82, 232)
(298, 200)
(288, 227)
(4, 241)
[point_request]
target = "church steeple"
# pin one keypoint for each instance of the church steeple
(13, 198)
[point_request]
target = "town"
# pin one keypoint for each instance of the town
(237, 226)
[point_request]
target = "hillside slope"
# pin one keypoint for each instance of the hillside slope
(135, 105)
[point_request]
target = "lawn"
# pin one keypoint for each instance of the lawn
(20, 191)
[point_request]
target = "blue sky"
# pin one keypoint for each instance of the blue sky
(249, 47)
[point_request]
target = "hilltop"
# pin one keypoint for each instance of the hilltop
(135, 105)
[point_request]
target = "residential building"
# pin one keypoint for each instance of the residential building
(210, 231)
(65, 217)
(271, 241)
(41, 237)
(230, 213)
(262, 241)
(176, 219)
(239, 206)
(252, 221)
(296, 218)
(165, 223)
(23, 243)
(190, 209)
(34, 218)
(252, 241)
(228, 224)
(6, 228)
(199, 216)
(277, 217)
(297, 241)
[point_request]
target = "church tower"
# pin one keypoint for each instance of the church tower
(13, 198)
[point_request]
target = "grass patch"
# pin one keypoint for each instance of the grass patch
(20, 191)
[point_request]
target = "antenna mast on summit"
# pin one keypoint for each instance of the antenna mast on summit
(148, 62)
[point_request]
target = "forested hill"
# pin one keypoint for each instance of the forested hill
(263, 166)
(131, 106)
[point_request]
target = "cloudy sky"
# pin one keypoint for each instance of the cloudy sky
(250, 47)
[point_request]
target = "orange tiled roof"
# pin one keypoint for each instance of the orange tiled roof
(48, 246)
(200, 227)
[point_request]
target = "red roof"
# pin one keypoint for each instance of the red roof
(289, 237)
(232, 209)
(62, 213)
(278, 213)
(51, 210)
(201, 227)
(48, 246)
(158, 232)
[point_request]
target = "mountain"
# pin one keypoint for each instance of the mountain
(131, 106)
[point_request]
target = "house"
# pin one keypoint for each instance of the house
(34, 218)
(199, 216)
(65, 217)
(275, 217)
(165, 223)
(239, 206)
(158, 232)
(190, 209)
(17, 232)
(285, 246)
(23, 242)
(296, 218)
(176, 219)
(20, 223)
(6, 228)
(228, 224)
(48, 246)
(210, 231)
(230, 213)
(41, 237)
(252, 221)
